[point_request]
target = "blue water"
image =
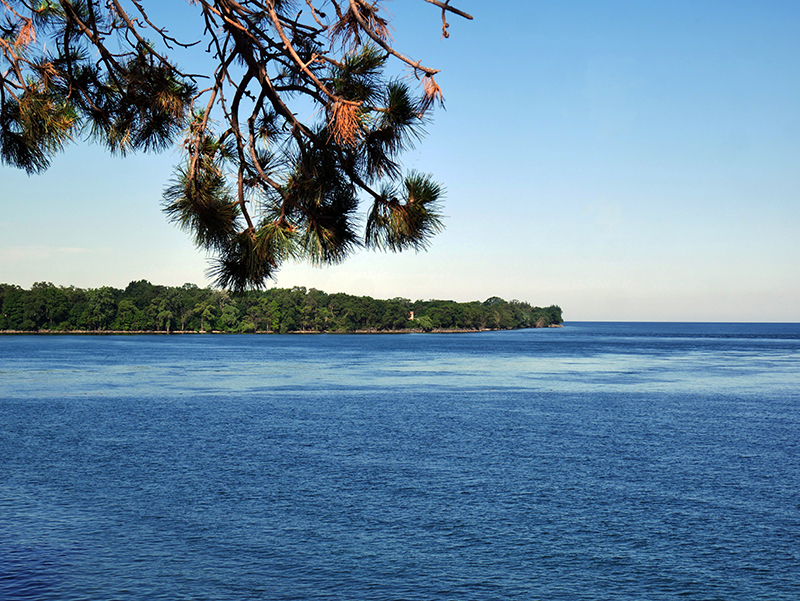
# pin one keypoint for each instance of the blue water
(597, 461)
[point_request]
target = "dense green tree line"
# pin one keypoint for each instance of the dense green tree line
(143, 306)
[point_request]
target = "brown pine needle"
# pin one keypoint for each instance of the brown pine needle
(344, 123)
(26, 35)
(432, 92)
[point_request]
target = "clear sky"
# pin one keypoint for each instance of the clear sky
(625, 160)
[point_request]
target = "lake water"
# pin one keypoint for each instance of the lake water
(596, 461)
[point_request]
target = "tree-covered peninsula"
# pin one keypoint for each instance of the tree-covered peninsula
(144, 307)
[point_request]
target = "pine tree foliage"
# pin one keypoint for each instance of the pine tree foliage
(256, 185)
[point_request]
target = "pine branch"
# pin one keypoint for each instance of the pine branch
(259, 181)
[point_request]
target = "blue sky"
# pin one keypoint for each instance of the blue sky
(625, 160)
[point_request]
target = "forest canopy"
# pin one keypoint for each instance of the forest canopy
(144, 307)
(256, 185)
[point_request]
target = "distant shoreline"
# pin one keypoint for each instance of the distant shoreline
(144, 308)
(264, 332)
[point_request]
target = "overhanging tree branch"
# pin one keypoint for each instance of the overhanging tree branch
(303, 116)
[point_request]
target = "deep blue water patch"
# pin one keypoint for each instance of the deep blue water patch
(597, 461)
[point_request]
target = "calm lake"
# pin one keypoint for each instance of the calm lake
(595, 461)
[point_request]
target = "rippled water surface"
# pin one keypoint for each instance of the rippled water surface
(597, 461)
